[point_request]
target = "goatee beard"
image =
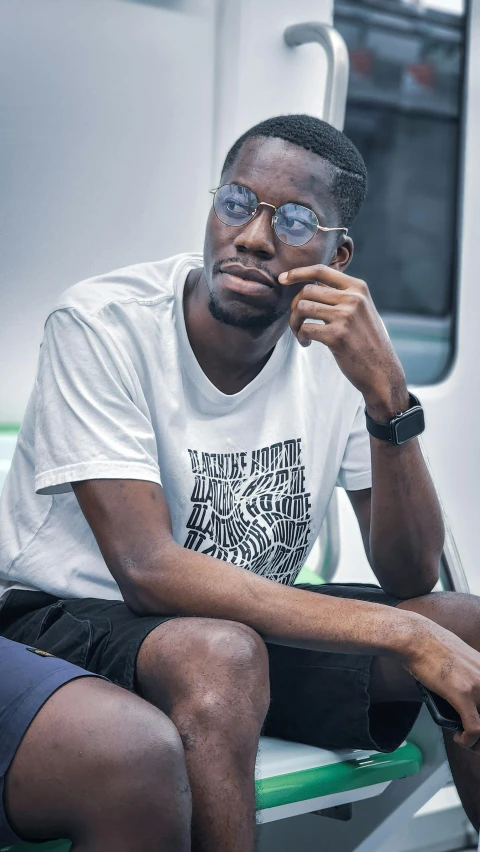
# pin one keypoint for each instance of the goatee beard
(257, 322)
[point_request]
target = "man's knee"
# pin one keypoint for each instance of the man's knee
(213, 666)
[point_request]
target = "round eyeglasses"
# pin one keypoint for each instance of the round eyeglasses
(293, 224)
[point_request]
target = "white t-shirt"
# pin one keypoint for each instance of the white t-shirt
(119, 394)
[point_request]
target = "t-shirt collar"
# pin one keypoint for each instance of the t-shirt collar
(189, 361)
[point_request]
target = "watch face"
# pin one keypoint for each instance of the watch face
(411, 424)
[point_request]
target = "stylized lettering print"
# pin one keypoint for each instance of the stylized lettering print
(251, 509)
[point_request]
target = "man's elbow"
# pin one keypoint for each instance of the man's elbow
(418, 590)
(426, 573)
(417, 582)
(145, 589)
(136, 600)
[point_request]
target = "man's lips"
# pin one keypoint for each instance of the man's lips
(248, 273)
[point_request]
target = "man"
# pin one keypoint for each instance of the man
(173, 469)
(82, 759)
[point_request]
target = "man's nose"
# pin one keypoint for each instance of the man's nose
(257, 236)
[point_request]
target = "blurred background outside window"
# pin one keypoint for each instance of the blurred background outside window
(404, 114)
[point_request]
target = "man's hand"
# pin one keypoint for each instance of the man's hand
(451, 668)
(353, 331)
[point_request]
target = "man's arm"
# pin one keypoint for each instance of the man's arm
(406, 529)
(131, 523)
(406, 525)
(400, 520)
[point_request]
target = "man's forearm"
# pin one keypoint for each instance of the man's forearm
(188, 583)
(406, 526)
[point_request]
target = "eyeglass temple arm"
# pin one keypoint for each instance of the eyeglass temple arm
(322, 228)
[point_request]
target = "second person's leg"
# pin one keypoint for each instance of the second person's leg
(103, 768)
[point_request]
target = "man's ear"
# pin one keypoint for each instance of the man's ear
(343, 255)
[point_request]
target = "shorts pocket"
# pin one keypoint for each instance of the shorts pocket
(65, 636)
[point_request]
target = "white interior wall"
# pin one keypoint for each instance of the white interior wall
(101, 101)
(116, 117)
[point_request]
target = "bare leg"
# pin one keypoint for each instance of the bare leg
(103, 768)
(211, 677)
(391, 682)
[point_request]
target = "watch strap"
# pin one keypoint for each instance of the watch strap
(386, 431)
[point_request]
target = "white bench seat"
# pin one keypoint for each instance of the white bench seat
(295, 779)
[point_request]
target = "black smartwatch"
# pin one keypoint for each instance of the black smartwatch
(404, 426)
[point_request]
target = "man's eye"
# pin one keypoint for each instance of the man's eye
(236, 208)
(295, 224)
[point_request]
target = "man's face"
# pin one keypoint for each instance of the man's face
(277, 172)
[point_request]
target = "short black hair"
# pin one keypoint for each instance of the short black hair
(349, 185)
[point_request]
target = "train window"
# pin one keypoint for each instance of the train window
(404, 115)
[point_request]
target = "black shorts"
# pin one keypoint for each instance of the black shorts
(317, 697)
(27, 680)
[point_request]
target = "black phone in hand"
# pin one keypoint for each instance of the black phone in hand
(441, 711)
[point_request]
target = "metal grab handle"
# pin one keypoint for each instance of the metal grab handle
(338, 65)
(452, 573)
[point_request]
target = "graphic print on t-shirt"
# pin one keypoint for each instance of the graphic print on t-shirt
(251, 509)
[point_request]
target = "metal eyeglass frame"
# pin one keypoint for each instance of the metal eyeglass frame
(265, 204)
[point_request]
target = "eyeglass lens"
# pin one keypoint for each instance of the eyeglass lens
(294, 224)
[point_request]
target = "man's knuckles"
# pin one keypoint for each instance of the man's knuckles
(310, 291)
(357, 299)
(362, 287)
(304, 305)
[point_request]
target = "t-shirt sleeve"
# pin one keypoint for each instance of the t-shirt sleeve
(356, 468)
(90, 420)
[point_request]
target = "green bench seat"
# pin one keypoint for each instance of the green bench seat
(296, 779)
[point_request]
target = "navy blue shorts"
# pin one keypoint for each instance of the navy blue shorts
(27, 679)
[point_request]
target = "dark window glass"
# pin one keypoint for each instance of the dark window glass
(403, 113)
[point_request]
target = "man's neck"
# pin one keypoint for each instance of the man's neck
(230, 357)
